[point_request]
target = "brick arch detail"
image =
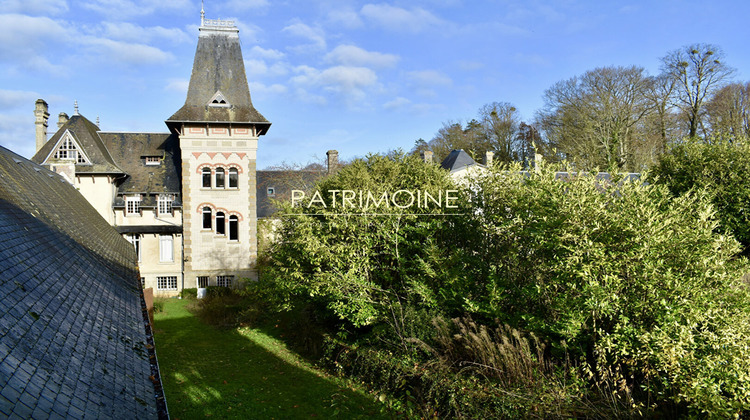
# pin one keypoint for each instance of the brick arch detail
(201, 205)
(236, 213)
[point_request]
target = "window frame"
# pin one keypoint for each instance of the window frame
(135, 200)
(166, 283)
(225, 281)
(206, 177)
(221, 223)
(205, 280)
(234, 228)
(220, 178)
(135, 240)
(152, 160)
(233, 178)
(167, 201)
(166, 255)
(208, 215)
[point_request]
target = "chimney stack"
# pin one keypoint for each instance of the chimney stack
(41, 112)
(333, 160)
(488, 155)
(426, 156)
(62, 119)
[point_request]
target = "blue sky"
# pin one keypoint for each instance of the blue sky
(356, 76)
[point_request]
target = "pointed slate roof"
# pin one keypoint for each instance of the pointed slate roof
(86, 134)
(457, 160)
(74, 339)
(218, 90)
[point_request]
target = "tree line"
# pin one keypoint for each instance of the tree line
(614, 118)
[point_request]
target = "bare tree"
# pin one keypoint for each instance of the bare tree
(499, 123)
(729, 111)
(698, 71)
(596, 119)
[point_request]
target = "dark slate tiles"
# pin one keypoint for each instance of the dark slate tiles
(72, 330)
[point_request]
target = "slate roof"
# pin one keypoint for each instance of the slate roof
(74, 337)
(86, 135)
(457, 160)
(129, 151)
(283, 182)
(219, 67)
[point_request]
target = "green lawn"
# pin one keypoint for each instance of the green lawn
(244, 374)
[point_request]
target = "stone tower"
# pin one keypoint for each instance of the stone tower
(218, 130)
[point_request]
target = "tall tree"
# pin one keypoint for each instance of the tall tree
(729, 111)
(595, 119)
(698, 71)
(499, 121)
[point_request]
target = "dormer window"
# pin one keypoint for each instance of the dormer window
(165, 205)
(218, 100)
(133, 205)
(68, 149)
(153, 160)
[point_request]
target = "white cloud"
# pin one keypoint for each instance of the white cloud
(347, 18)
(314, 35)
(178, 85)
(350, 83)
(246, 4)
(267, 90)
(398, 103)
(266, 54)
(123, 9)
(128, 52)
(27, 42)
(125, 31)
(399, 19)
(429, 78)
(17, 134)
(36, 7)
(350, 55)
(10, 99)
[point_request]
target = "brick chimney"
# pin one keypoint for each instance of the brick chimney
(426, 156)
(488, 155)
(333, 160)
(41, 112)
(62, 119)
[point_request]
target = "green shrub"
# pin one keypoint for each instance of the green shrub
(648, 297)
(158, 305)
(722, 169)
(190, 293)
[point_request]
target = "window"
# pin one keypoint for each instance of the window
(69, 151)
(166, 248)
(206, 176)
(165, 204)
(133, 205)
(135, 240)
(206, 217)
(153, 160)
(224, 281)
(202, 281)
(219, 177)
(166, 283)
(221, 227)
(271, 191)
(233, 178)
(234, 229)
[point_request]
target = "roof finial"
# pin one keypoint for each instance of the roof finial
(97, 121)
(75, 108)
(203, 13)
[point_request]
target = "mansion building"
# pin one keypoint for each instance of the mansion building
(185, 199)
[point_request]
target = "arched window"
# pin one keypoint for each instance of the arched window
(233, 178)
(219, 177)
(234, 228)
(206, 176)
(221, 227)
(206, 217)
